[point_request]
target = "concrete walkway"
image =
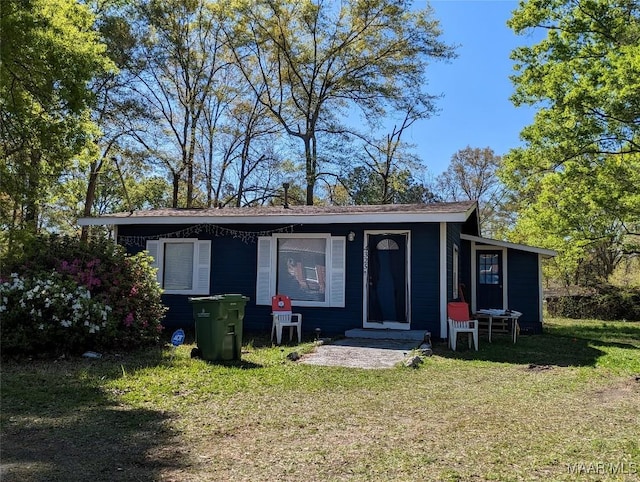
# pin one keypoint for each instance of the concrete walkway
(369, 349)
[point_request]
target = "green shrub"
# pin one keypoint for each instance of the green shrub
(66, 296)
(607, 303)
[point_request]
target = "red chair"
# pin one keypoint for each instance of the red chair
(282, 316)
(459, 322)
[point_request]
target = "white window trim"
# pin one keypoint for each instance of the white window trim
(455, 271)
(334, 278)
(201, 271)
(443, 279)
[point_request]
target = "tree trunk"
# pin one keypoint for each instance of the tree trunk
(310, 169)
(89, 198)
(209, 175)
(176, 185)
(32, 195)
(243, 167)
(190, 184)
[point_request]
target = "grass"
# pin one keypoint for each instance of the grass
(564, 405)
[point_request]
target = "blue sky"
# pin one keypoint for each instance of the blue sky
(476, 109)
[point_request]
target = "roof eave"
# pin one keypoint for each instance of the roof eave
(460, 216)
(546, 253)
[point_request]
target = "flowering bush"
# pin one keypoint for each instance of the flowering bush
(60, 313)
(68, 297)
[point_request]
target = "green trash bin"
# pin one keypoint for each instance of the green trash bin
(218, 322)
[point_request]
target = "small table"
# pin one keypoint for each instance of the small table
(492, 314)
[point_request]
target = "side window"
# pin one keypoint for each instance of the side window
(184, 265)
(489, 269)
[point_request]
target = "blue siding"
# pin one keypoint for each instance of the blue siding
(234, 271)
(466, 265)
(425, 280)
(523, 288)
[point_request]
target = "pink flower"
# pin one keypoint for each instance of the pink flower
(128, 321)
(93, 262)
(134, 290)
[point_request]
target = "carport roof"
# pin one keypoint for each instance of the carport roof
(547, 253)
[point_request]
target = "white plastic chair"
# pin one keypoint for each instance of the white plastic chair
(282, 317)
(459, 322)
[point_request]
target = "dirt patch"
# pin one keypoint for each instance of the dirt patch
(360, 353)
(538, 368)
(625, 390)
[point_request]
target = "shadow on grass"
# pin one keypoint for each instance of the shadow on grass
(58, 424)
(580, 345)
(241, 364)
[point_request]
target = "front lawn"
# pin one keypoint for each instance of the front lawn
(564, 405)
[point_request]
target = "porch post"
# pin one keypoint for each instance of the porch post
(443, 280)
(472, 288)
(540, 291)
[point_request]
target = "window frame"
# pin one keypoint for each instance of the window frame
(335, 269)
(489, 278)
(455, 271)
(201, 264)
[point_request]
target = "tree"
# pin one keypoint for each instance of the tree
(384, 176)
(364, 188)
(316, 58)
(244, 140)
(181, 47)
(472, 175)
(585, 75)
(577, 178)
(118, 188)
(44, 100)
(118, 111)
(574, 212)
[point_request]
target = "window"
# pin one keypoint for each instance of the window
(489, 269)
(184, 265)
(455, 270)
(301, 268)
(387, 245)
(178, 266)
(309, 268)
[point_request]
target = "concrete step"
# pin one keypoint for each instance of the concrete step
(373, 334)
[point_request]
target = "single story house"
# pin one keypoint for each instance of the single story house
(378, 267)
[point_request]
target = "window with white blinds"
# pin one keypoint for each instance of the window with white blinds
(184, 265)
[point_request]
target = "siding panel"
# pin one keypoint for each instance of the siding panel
(523, 289)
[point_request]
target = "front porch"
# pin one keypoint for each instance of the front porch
(375, 334)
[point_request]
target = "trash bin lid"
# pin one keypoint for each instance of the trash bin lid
(204, 298)
(233, 297)
(224, 297)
